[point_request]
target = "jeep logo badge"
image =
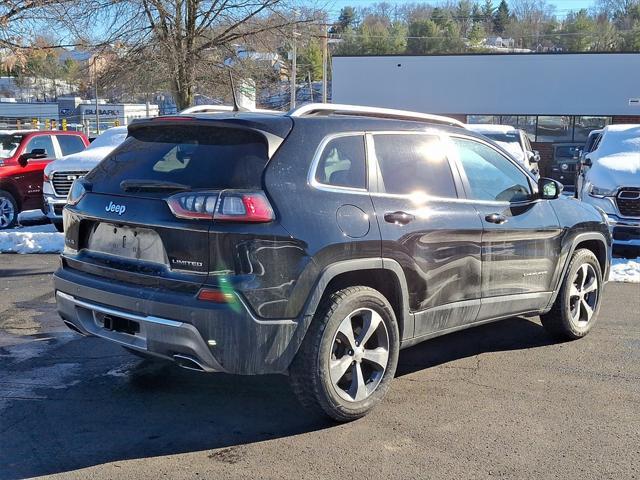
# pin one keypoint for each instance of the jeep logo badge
(72, 177)
(112, 207)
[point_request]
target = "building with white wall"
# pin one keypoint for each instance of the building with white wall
(556, 98)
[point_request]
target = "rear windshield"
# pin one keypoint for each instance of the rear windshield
(503, 137)
(196, 156)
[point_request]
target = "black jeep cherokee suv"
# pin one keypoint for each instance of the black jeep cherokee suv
(319, 243)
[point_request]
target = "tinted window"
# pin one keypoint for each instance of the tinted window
(554, 129)
(200, 157)
(414, 163)
(70, 144)
(584, 126)
(528, 124)
(490, 175)
(483, 119)
(343, 163)
(41, 141)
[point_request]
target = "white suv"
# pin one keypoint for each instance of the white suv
(610, 180)
(59, 175)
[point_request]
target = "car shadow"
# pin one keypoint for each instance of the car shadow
(87, 402)
(517, 333)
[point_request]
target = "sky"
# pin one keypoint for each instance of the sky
(562, 7)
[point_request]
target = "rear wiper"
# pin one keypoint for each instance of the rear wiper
(151, 185)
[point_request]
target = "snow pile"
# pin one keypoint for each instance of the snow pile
(39, 239)
(623, 270)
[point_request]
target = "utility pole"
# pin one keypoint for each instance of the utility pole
(325, 60)
(310, 87)
(95, 91)
(294, 61)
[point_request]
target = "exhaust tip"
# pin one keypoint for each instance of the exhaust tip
(189, 363)
(71, 326)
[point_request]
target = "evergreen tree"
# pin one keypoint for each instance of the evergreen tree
(346, 20)
(501, 18)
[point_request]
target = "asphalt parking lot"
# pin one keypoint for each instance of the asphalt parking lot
(500, 400)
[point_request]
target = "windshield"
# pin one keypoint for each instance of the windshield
(508, 137)
(110, 138)
(9, 144)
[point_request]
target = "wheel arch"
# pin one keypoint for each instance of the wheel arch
(597, 243)
(382, 274)
(10, 186)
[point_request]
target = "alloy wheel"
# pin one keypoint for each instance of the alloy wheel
(359, 355)
(7, 212)
(583, 295)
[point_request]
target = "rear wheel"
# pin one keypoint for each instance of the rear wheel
(575, 310)
(8, 210)
(349, 355)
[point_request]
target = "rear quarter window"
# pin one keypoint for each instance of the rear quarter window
(198, 156)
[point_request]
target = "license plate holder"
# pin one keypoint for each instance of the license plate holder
(128, 242)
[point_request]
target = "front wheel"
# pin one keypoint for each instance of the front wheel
(8, 210)
(349, 355)
(575, 310)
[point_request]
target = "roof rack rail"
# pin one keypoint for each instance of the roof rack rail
(221, 108)
(313, 109)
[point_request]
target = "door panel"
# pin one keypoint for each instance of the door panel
(435, 239)
(31, 176)
(519, 255)
(521, 235)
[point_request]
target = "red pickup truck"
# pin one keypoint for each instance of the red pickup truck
(23, 156)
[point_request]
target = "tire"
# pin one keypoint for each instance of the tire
(8, 210)
(58, 224)
(576, 307)
(341, 396)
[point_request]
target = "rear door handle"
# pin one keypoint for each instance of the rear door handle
(496, 218)
(400, 218)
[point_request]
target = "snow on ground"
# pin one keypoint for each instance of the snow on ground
(33, 238)
(623, 270)
(36, 239)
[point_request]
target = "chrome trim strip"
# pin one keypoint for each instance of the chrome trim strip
(119, 313)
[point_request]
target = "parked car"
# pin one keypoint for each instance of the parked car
(513, 140)
(254, 243)
(60, 174)
(589, 146)
(610, 180)
(23, 157)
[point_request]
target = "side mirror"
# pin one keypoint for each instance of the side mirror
(586, 162)
(534, 157)
(549, 189)
(35, 153)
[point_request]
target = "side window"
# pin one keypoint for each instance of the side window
(490, 175)
(343, 163)
(70, 144)
(414, 163)
(41, 141)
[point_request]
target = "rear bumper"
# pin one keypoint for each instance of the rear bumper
(178, 327)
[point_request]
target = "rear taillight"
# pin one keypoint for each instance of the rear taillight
(226, 206)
